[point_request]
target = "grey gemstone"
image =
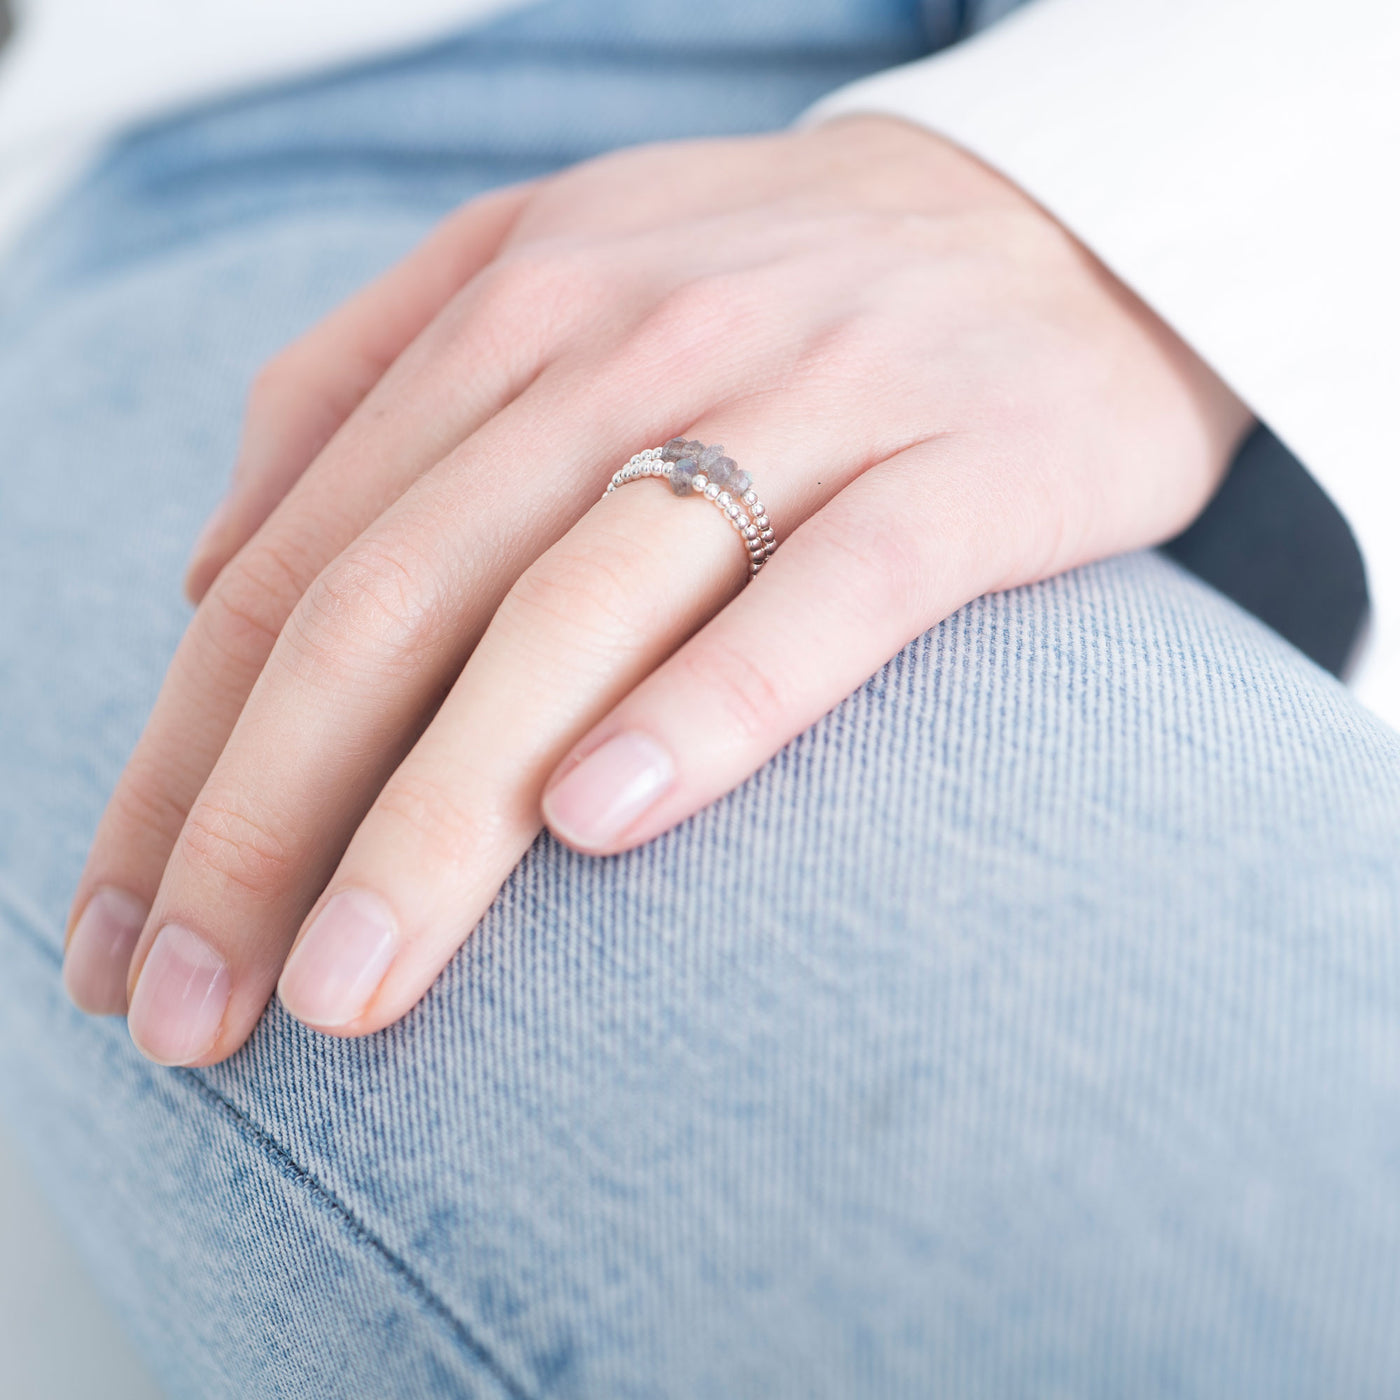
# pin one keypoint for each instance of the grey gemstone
(682, 474)
(674, 450)
(716, 465)
(740, 482)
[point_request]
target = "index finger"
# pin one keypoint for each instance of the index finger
(455, 378)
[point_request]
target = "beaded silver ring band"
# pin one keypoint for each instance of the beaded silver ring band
(692, 468)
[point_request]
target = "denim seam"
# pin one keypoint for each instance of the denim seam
(293, 1170)
(27, 923)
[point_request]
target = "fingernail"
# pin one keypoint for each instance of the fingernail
(180, 998)
(604, 794)
(339, 965)
(99, 952)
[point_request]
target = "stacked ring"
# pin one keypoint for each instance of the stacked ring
(692, 468)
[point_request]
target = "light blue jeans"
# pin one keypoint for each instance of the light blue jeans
(1029, 1027)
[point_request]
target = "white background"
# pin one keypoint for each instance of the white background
(57, 1339)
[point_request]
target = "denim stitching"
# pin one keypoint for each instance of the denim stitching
(291, 1168)
(25, 921)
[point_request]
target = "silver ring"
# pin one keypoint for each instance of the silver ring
(692, 468)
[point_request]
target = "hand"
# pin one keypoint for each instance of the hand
(421, 630)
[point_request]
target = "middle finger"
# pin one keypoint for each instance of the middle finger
(361, 664)
(447, 385)
(594, 616)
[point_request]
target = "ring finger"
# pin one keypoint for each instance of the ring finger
(587, 622)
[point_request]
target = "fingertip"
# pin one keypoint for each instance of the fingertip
(94, 998)
(99, 950)
(334, 972)
(180, 999)
(591, 803)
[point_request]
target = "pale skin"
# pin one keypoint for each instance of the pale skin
(421, 636)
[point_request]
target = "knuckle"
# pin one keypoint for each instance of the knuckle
(377, 609)
(856, 352)
(701, 309)
(748, 698)
(522, 273)
(693, 324)
(529, 307)
(886, 565)
(537, 285)
(708, 321)
(439, 825)
(245, 609)
(146, 801)
(587, 596)
(238, 849)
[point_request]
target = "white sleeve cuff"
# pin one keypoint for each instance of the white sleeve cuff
(1233, 161)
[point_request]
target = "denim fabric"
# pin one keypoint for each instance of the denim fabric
(1030, 1026)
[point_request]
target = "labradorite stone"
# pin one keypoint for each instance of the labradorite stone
(682, 475)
